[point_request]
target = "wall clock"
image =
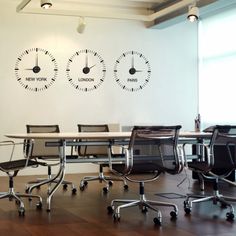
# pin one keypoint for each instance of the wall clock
(86, 70)
(36, 69)
(132, 71)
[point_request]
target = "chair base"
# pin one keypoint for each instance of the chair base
(11, 194)
(65, 183)
(215, 198)
(143, 204)
(102, 178)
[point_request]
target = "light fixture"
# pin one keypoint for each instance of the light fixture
(46, 4)
(81, 26)
(193, 13)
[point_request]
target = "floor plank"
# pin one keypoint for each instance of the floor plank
(85, 213)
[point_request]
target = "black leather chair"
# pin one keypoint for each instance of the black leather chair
(50, 155)
(216, 161)
(152, 150)
(96, 151)
(11, 168)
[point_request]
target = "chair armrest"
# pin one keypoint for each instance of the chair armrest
(125, 159)
(11, 144)
(206, 153)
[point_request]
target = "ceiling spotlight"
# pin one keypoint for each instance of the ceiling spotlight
(81, 26)
(193, 13)
(46, 4)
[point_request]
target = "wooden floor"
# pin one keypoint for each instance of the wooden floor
(86, 212)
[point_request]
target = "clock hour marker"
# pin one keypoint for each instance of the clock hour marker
(85, 70)
(36, 67)
(132, 71)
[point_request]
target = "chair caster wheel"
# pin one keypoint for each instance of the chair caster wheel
(157, 221)
(126, 187)
(74, 191)
(110, 209)
(144, 209)
(230, 216)
(65, 186)
(116, 217)
(39, 205)
(110, 183)
(21, 211)
(187, 210)
(105, 190)
(82, 187)
(173, 215)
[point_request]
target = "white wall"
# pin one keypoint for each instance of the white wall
(169, 98)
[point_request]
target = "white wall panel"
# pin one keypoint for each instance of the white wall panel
(169, 98)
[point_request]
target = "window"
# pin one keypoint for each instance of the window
(217, 69)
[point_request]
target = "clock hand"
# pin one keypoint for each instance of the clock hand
(86, 69)
(90, 67)
(86, 61)
(36, 69)
(36, 60)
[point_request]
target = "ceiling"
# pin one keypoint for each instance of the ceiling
(150, 11)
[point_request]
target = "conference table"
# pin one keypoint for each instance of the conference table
(88, 138)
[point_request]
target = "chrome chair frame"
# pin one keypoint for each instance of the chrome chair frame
(154, 135)
(48, 157)
(91, 151)
(11, 168)
(204, 167)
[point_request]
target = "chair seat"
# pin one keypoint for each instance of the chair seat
(18, 164)
(199, 166)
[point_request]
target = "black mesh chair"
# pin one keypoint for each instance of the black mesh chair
(96, 151)
(48, 154)
(11, 168)
(214, 157)
(152, 150)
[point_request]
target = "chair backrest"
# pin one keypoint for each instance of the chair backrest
(39, 149)
(223, 147)
(154, 148)
(92, 150)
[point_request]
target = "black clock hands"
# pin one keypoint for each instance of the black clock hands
(127, 71)
(87, 68)
(36, 69)
(132, 70)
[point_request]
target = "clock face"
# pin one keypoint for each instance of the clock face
(36, 69)
(132, 71)
(86, 70)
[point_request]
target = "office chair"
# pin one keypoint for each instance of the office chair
(11, 168)
(96, 151)
(49, 154)
(152, 150)
(219, 154)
